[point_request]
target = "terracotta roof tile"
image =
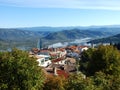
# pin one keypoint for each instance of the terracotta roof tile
(57, 60)
(62, 73)
(82, 46)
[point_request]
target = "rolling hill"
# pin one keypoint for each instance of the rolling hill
(26, 39)
(74, 34)
(111, 39)
(14, 34)
(10, 38)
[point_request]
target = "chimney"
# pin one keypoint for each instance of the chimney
(92, 45)
(55, 71)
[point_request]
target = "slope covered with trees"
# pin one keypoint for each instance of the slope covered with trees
(19, 72)
(74, 34)
(111, 39)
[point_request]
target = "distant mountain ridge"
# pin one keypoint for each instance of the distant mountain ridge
(18, 37)
(108, 28)
(17, 34)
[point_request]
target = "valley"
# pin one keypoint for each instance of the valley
(27, 38)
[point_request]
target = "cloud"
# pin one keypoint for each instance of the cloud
(79, 4)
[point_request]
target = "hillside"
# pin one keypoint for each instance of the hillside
(27, 39)
(111, 39)
(10, 38)
(74, 34)
(15, 34)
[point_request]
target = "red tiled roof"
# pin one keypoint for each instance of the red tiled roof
(62, 49)
(57, 60)
(72, 47)
(62, 73)
(53, 54)
(82, 46)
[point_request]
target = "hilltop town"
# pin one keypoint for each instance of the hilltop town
(59, 61)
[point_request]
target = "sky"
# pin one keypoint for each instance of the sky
(57, 13)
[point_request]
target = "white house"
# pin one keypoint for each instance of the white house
(63, 53)
(43, 60)
(83, 48)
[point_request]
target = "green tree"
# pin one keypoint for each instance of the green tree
(101, 81)
(106, 82)
(103, 67)
(19, 72)
(78, 82)
(105, 59)
(86, 57)
(54, 83)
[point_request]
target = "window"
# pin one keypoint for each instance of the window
(46, 58)
(42, 61)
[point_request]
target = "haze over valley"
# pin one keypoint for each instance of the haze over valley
(27, 38)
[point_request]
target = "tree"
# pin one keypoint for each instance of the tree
(101, 81)
(55, 83)
(78, 82)
(19, 72)
(105, 59)
(117, 45)
(106, 82)
(102, 69)
(86, 56)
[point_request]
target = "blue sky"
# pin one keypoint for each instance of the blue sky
(31, 13)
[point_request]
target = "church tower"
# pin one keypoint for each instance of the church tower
(39, 44)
